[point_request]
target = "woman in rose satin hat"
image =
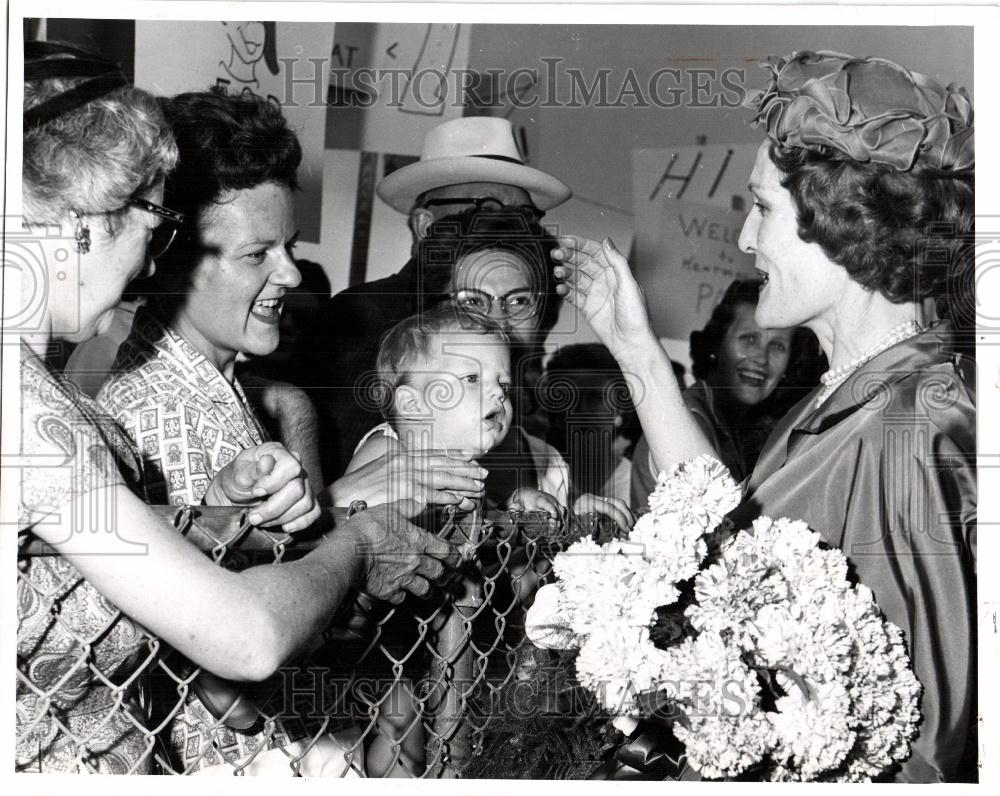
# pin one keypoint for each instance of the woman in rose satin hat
(867, 170)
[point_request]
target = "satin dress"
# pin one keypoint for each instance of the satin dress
(885, 470)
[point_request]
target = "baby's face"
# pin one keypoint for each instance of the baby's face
(464, 390)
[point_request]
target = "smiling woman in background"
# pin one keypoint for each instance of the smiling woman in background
(745, 379)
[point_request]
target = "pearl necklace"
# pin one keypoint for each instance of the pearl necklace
(834, 377)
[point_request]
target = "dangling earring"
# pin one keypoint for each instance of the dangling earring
(82, 234)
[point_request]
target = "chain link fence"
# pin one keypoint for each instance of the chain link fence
(406, 690)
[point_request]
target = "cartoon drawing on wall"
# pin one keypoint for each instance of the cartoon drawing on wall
(428, 79)
(388, 81)
(249, 43)
(249, 57)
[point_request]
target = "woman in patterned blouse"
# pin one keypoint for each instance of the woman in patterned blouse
(95, 154)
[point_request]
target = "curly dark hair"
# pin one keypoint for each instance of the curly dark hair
(226, 143)
(905, 234)
(509, 229)
(587, 404)
(586, 380)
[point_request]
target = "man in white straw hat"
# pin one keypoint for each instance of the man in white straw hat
(464, 161)
(468, 162)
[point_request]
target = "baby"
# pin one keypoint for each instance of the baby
(444, 384)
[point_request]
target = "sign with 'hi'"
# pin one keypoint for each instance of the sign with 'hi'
(690, 204)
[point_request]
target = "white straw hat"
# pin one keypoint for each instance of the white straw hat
(471, 149)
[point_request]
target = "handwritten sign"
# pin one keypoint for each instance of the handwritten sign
(686, 263)
(391, 83)
(285, 62)
(690, 204)
(701, 174)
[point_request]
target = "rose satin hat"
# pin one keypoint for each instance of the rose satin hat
(869, 109)
(472, 149)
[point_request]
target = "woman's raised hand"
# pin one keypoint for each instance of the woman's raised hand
(271, 479)
(596, 279)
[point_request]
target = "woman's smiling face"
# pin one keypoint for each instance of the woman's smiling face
(234, 303)
(802, 286)
(751, 360)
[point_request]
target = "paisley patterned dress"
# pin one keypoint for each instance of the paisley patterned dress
(78, 656)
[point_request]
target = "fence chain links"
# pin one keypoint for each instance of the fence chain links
(386, 689)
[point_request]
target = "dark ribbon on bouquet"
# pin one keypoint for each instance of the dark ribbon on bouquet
(651, 752)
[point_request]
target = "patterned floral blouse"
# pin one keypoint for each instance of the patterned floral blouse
(69, 637)
(188, 422)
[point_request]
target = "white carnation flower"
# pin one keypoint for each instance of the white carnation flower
(598, 584)
(617, 664)
(813, 734)
(701, 491)
(675, 548)
(725, 747)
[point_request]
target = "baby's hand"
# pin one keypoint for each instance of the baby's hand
(528, 499)
(615, 508)
(271, 479)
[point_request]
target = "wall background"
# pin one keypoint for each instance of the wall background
(589, 146)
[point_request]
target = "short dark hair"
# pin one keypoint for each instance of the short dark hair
(509, 229)
(904, 234)
(413, 338)
(585, 379)
(226, 143)
(705, 343)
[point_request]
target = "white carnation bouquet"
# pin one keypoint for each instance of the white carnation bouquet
(756, 647)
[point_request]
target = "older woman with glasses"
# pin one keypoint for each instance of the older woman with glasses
(89, 363)
(96, 152)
